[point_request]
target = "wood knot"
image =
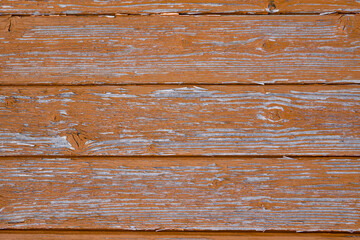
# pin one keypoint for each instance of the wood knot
(271, 45)
(3, 202)
(272, 114)
(271, 8)
(350, 25)
(77, 141)
(186, 42)
(54, 117)
(151, 149)
(217, 182)
(9, 102)
(177, 44)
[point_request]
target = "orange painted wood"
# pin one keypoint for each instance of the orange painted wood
(180, 49)
(189, 7)
(178, 120)
(223, 193)
(110, 235)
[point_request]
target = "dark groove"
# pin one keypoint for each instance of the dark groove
(171, 84)
(189, 157)
(120, 14)
(9, 27)
(159, 231)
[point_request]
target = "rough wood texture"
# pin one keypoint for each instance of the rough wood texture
(160, 120)
(101, 235)
(176, 6)
(296, 194)
(180, 49)
(157, 120)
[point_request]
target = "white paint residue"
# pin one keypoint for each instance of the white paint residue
(261, 117)
(114, 95)
(275, 107)
(184, 89)
(257, 179)
(62, 142)
(55, 142)
(271, 10)
(326, 13)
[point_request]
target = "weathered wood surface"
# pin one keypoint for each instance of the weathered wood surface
(180, 49)
(178, 120)
(176, 6)
(296, 194)
(111, 235)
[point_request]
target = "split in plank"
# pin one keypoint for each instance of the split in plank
(289, 194)
(181, 49)
(167, 120)
(111, 235)
(176, 6)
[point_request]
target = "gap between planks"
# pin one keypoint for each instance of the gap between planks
(173, 157)
(172, 84)
(118, 235)
(172, 14)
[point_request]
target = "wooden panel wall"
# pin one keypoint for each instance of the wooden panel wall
(179, 120)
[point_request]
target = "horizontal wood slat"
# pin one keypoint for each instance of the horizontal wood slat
(180, 49)
(176, 6)
(111, 235)
(293, 194)
(172, 120)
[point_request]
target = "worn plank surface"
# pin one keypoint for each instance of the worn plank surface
(88, 157)
(180, 49)
(176, 6)
(110, 235)
(178, 120)
(296, 194)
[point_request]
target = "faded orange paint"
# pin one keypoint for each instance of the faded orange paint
(181, 193)
(180, 120)
(245, 157)
(237, 49)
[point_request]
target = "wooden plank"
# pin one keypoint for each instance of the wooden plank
(180, 49)
(96, 235)
(178, 120)
(292, 194)
(176, 6)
